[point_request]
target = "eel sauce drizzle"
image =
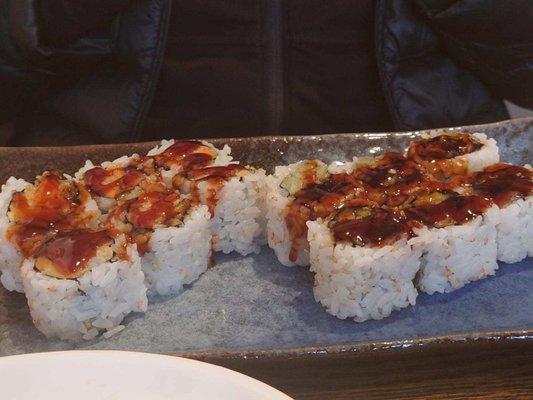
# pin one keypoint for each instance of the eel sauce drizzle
(48, 223)
(443, 147)
(394, 177)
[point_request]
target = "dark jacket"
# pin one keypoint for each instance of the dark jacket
(73, 71)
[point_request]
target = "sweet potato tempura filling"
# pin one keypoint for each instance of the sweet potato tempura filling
(67, 256)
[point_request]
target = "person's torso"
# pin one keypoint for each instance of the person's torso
(267, 67)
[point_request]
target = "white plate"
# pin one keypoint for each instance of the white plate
(117, 375)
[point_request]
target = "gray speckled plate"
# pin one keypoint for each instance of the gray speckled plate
(254, 303)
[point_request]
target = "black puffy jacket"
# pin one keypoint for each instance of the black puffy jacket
(73, 71)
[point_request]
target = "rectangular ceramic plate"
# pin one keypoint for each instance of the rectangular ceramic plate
(255, 306)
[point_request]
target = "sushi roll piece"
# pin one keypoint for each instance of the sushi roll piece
(445, 154)
(174, 157)
(33, 213)
(310, 190)
(10, 254)
(234, 195)
(171, 231)
(510, 187)
(364, 262)
(286, 229)
(459, 242)
(82, 283)
(173, 236)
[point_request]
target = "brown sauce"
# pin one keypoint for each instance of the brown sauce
(66, 256)
(391, 182)
(443, 147)
(309, 172)
(29, 239)
(48, 216)
(143, 242)
(503, 182)
(451, 211)
(155, 209)
(51, 201)
(187, 155)
(215, 177)
(391, 169)
(111, 182)
(224, 172)
(137, 217)
(196, 160)
(318, 201)
(392, 179)
(379, 228)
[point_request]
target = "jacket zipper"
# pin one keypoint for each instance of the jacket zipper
(274, 66)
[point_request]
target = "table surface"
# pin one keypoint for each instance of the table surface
(488, 369)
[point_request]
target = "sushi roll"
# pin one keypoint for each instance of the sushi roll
(510, 187)
(310, 190)
(33, 213)
(286, 230)
(459, 243)
(234, 195)
(364, 262)
(171, 230)
(10, 253)
(173, 236)
(83, 283)
(445, 154)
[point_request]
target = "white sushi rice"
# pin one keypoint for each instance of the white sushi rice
(122, 162)
(456, 255)
(178, 255)
(277, 201)
(339, 167)
(514, 228)
(238, 223)
(97, 302)
(477, 160)
(362, 282)
(10, 258)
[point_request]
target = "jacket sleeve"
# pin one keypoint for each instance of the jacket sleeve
(42, 46)
(492, 38)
